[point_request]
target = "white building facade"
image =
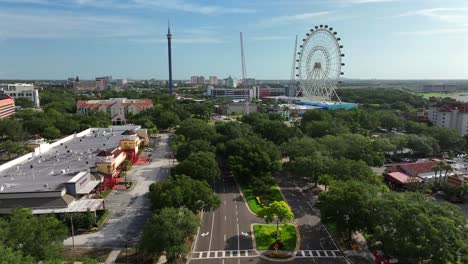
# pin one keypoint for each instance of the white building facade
(451, 116)
(22, 90)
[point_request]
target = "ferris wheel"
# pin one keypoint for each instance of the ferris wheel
(318, 65)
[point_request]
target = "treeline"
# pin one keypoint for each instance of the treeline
(28, 239)
(384, 98)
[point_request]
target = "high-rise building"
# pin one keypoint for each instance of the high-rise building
(229, 82)
(201, 80)
(213, 80)
(194, 80)
(22, 90)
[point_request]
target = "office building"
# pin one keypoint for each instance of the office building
(213, 80)
(22, 90)
(63, 176)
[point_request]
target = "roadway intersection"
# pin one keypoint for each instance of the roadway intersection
(226, 237)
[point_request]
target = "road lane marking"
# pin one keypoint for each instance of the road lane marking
(224, 218)
(211, 234)
(238, 237)
(224, 237)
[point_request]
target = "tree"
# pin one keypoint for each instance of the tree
(251, 157)
(199, 166)
(24, 102)
(413, 227)
(8, 256)
(185, 149)
(183, 191)
(167, 119)
(193, 129)
(11, 147)
(348, 206)
(279, 211)
(449, 139)
(300, 147)
(311, 167)
(38, 236)
(168, 231)
(326, 180)
(51, 133)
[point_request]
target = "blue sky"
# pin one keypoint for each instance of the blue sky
(383, 39)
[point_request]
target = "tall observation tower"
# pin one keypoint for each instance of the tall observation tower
(169, 37)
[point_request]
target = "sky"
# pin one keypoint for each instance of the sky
(382, 39)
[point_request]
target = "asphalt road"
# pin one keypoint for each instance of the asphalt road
(228, 228)
(221, 239)
(129, 209)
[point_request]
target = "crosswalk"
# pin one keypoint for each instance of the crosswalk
(224, 254)
(318, 254)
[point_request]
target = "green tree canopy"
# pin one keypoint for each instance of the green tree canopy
(183, 191)
(193, 129)
(185, 149)
(278, 211)
(38, 236)
(9, 256)
(168, 231)
(200, 166)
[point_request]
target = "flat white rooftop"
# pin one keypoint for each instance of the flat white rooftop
(51, 169)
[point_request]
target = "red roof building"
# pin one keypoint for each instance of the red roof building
(117, 108)
(7, 106)
(453, 115)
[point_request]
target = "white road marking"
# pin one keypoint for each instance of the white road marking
(245, 234)
(204, 234)
(211, 235)
(224, 237)
(238, 238)
(224, 218)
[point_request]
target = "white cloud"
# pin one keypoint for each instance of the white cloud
(436, 31)
(185, 6)
(59, 24)
(450, 15)
(291, 18)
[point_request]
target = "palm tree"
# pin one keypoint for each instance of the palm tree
(436, 169)
(448, 169)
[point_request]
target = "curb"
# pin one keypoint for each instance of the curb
(260, 255)
(243, 198)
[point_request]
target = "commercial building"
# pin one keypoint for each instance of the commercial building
(62, 177)
(100, 83)
(230, 82)
(7, 106)
(22, 90)
(450, 115)
(197, 80)
(438, 88)
(117, 108)
(411, 171)
(232, 93)
(265, 91)
(213, 80)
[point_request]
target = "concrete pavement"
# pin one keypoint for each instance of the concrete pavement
(129, 209)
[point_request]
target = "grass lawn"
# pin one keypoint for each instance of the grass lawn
(265, 236)
(252, 202)
(105, 193)
(427, 95)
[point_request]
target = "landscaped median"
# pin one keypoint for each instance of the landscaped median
(255, 202)
(265, 237)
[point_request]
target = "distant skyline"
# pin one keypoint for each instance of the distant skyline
(382, 39)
